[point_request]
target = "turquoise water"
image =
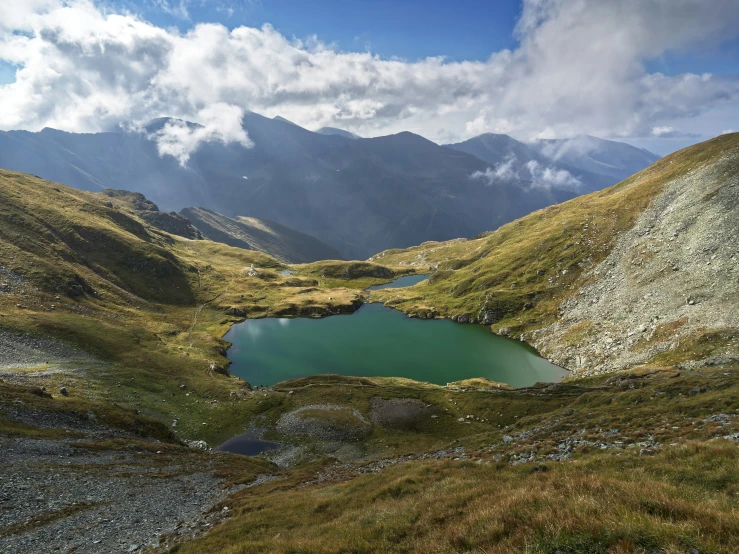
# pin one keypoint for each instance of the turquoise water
(379, 341)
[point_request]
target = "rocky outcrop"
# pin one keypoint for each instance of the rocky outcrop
(668, 286)
(171, 222)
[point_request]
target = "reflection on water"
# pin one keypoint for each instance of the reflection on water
(379, 341)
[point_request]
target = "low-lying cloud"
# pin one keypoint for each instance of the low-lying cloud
(579, 68)
(218, 123)
(533, 172)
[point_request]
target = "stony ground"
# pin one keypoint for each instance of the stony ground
(674, 274)
(97, 491)
(19, 350)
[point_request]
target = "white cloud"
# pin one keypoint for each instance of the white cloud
(218, 122)
(551, 177)
(503, 171)
(539, 175)
(662, 131)
(670, 132)
(579, 68)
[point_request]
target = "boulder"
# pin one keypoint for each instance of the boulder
(236, 311)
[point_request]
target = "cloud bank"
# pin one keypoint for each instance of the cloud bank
(579, 68)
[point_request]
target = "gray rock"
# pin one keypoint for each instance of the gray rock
(200, 445)
(617, 296)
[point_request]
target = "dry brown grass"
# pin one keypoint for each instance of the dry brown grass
(601, 504)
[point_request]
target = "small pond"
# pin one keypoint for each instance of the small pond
(379, 341)
(248, 444)
(400, 282)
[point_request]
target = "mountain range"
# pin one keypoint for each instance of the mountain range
(359, 195)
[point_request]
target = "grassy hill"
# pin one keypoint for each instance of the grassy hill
(129, 319)
(251, 233)
(651, 259)
(88, 272)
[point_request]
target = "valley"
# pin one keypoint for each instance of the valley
(116, 363)
(357, 196)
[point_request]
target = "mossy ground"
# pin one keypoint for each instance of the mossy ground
(682, 494)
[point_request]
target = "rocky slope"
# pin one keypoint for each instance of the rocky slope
(669, 281)
(170, 222)
(641, 273)
(251, 233)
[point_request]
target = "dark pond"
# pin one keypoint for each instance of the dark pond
(248, 444)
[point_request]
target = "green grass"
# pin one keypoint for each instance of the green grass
(523, 271)
(131, 304)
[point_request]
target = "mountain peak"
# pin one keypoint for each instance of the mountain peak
(338, 132)
(280, 118)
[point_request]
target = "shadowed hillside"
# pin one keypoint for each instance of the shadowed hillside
(277, 240)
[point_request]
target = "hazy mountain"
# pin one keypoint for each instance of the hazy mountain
(558, 163)
(335, 131)
(279, 241)
(360, 196)
(606, 157)
(99, 161)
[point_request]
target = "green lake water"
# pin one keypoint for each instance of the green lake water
(379, 341)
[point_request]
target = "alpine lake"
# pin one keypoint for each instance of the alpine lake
(376, 341)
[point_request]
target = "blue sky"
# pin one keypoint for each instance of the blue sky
(410, 29)
(658, 73)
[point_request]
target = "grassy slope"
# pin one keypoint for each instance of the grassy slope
(613, 499)
(138, 327)
(522, 272)
(127, 293)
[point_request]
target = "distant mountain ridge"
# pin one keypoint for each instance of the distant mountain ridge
(360, 195)
(584, 164)
(607, 157)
